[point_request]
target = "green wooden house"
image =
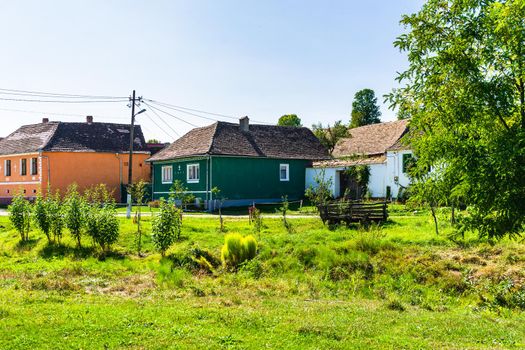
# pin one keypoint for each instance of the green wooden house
(248, 163)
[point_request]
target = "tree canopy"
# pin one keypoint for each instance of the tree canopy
(464, 90)
(330, 135)
(365, 110)
(290, 120)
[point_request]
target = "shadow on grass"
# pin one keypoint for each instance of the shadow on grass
(59, 250)
(24, 246)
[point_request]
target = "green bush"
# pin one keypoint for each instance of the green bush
(74, 206)
(20, 216)
(102, 222)
(238, 249)
(56, 216)
(42, 217)
(166, 226)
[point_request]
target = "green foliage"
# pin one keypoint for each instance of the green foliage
(138, 193)
(42, 217)
(365, 110)
(257, 219)
(289, 120)
(166, 226)
(74, 207)
(329, 136)
(321, 192)
(56, 215)
(179, 192)
(101, 216)
(284, 210)
(465, 93)
(20, 216)
(216, 192)
(361, 175)
(238, 249)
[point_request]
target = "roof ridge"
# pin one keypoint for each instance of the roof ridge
(51, 136)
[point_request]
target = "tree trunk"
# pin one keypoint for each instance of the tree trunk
(433, 210)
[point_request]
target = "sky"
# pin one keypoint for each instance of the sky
(259, 58)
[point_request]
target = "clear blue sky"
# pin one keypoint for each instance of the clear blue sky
(234, 57)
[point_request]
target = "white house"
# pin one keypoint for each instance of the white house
(380, 147)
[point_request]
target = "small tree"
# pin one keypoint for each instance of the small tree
(179, 192)
(42, 217)
(166, 226)
(138, 193)
(102, 223)
(290, 120)
(257, 218)
(321, 193)
(74, 206)
(365, 110)
(20, 216)
(329, 136)
(56, 215)
(217, 194)
(284, 210)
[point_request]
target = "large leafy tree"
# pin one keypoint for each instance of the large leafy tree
(465, 92)
(290, 120)
(330, 135)
(365, 110)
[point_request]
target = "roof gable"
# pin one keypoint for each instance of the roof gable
(371, 139)
(28, 138)
(228, 139)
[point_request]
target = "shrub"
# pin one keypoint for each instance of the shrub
(56, 215)
(138, 193)
(20, 216)
(284, 209)
(166, 226)
(257, 221)
(74, 206)
(102, 223)
(238, 249)
(42, 217)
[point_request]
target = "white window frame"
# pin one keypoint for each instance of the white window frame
(287, 167)
(197, 173)
(35, 166)
(164, 178)
(10, 167)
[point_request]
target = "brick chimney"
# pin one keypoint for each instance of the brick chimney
(45, 120)
(244, 124)
(89, 119)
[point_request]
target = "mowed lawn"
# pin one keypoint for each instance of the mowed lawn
(399, 286)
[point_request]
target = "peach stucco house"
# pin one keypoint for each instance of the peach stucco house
(57, 154)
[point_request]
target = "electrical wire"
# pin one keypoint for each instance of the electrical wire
(58, 114)
(60, 101)
(171, 115)
(52, 94)
(167, 124)
(161, 128)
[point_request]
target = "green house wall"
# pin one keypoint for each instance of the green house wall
(238, 178)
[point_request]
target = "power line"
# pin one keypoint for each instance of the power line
(186, 109)
(161, 128)
(52, 94)
(167, 124)
(60, 101)
(171, 115)
(58, 114)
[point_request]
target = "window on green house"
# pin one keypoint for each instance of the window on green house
(407, 162)
(23, 166)
(192, 173)
(167, 174)
(284, 172)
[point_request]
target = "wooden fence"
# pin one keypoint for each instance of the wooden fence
(348, 212)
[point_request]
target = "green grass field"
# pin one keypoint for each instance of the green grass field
(399, 286)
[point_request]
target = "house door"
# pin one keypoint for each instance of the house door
(349, 187)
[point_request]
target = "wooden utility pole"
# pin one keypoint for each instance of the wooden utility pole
(131, 141)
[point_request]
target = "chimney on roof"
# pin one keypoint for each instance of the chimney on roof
(89, 119)
(45, 120)
(244, 124)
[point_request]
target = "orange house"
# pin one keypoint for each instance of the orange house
(57, 154)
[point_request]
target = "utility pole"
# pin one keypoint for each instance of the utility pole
(132, 100)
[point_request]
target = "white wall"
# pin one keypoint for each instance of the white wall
(381, 176)
(394, 161)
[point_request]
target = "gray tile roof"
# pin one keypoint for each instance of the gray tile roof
(371, 139)
(72, 137)
(268, 141)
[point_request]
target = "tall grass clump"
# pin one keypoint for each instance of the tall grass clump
(20, 216)
(238, 249)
